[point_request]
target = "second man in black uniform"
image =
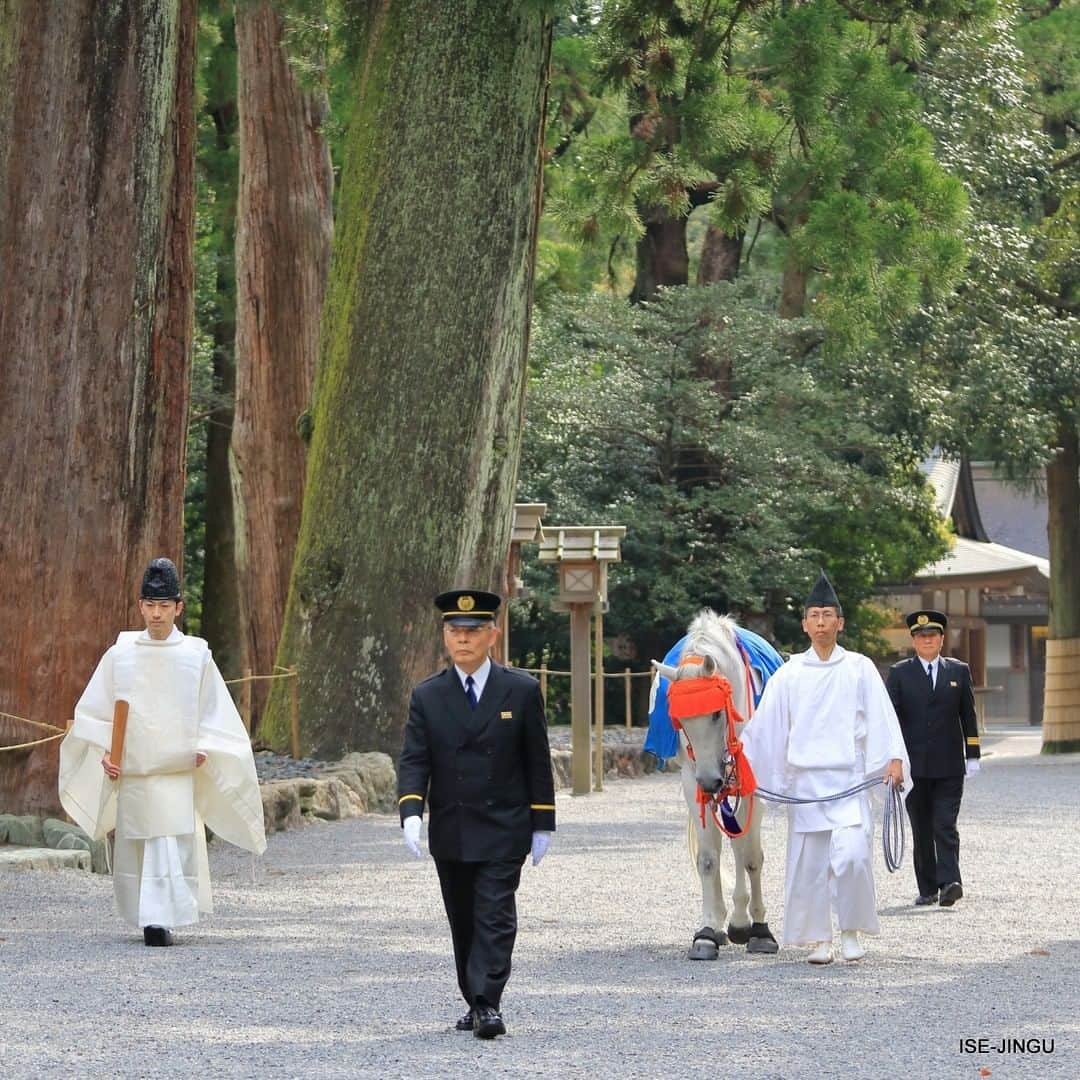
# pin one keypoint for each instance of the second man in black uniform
(476, 754)
(935, 701)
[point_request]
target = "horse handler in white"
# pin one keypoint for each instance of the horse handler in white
(825, 724)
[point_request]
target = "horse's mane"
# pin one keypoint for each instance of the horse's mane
(714, 636)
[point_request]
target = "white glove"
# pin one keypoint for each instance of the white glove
(412, 835)
(541, 841)
(971, 766)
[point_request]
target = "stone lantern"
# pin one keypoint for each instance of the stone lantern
(527, 528)
(583, 553)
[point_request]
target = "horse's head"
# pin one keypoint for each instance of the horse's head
(707, 686)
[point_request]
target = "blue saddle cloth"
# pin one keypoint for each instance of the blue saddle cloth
(662, 739)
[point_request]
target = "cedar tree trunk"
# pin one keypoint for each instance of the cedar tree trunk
(420, 388)
(662, 258)
(283, 235)
(720, 255)
(221, 622)
(793, 291)
(1061, 708)
(96, 323)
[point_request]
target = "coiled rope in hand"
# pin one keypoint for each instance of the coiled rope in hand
(893, 829)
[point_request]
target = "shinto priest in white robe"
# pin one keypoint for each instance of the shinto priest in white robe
(822, 727)
(178, 705)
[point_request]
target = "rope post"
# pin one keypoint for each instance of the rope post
(245, 701)
(626, 691)
(598, 704)
(294, 712)
(543, 682)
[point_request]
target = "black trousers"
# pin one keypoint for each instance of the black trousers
(479, 902)
(933, 805)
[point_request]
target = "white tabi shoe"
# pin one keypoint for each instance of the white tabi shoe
(822, 953)
(850, 947)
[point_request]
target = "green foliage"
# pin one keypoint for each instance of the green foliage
(202, 401)
(997, 365)
(795, 114)
(734, 453)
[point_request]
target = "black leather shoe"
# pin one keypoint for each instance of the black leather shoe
(487, 1023)
(465, 1023)
(950, 894)
(924, 901)
(156, 935)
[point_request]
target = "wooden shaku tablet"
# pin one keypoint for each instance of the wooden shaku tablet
(119, 729)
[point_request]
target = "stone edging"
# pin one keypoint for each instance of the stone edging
(358, 784)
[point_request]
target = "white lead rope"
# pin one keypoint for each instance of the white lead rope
(893, 830)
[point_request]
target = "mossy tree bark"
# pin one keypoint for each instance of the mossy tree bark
(96, 234)
(1061, 711)
(420, 388)
(283, 238)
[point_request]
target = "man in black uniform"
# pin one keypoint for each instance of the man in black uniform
(935, 701)
(477, 735)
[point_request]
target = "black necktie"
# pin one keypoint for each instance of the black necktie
(470, 691)
(930, 675)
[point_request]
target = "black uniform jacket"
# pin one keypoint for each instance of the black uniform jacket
(489, 770)
(939, 725)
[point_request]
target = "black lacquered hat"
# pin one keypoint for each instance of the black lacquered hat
(822, 594)
(160, 581)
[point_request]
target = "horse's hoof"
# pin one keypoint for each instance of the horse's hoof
(703, 949)
(761, 940)
(738, 935)
(706, 944)
(764, 946)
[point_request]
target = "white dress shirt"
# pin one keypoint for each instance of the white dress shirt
(479, 677)
(933, 668)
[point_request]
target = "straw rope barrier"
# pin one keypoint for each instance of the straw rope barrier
(60, 732)
(255, 678)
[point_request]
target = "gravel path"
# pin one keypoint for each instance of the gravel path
(336, 961)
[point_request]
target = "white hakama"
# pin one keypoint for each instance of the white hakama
(179, 707)
(823, 727)
(162, 881)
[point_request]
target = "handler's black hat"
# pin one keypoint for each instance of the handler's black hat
(822, 594)
(160, 581)
(467, 607)
(918, 621)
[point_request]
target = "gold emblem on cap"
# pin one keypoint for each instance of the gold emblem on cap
(922, 620)
(466, 603)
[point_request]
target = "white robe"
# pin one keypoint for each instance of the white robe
(178, 706)
(824, 726)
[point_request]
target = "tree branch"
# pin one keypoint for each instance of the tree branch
(1065, 162)
(1048, 298)
(576, 128)
(861, 16)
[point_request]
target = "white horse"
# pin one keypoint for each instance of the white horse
(711, 649)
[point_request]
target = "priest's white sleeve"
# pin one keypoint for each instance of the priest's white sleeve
(765, 736)
(884, 739)
(226, 786)
(86, 793)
